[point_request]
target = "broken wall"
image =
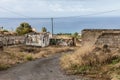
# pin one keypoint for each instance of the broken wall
(100, 37)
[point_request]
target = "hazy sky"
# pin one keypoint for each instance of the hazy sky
(57, 8)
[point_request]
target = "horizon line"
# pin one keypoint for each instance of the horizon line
(59, 17)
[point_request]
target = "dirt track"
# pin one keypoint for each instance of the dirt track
(41, 69)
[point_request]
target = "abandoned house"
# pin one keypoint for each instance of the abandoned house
(37, 39)
(101, 37)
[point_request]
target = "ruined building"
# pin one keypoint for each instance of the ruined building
(37, 39)
(101, 37)
(10, 38)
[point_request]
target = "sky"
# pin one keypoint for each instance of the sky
(57, 8)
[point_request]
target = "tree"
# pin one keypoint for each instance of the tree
(44, 29)
(5, 30)
(24, 28)
(75, 34)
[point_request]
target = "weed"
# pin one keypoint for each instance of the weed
(115, 61)
(80, 69)
(29, 57)
(4, 66)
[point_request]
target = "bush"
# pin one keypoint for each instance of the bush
(29, 57)
(78, 58)
(116, 60)
(80, 69)
(4, 67)
(87, 58)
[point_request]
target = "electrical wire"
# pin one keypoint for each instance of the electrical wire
(86, 15)
(92, 14)
(13, 12)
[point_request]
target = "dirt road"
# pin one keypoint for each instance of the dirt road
(41, 69)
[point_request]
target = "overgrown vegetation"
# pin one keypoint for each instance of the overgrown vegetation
(94, 61)
(19, 54)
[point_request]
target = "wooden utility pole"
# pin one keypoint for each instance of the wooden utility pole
(52, 26)
(1, 28)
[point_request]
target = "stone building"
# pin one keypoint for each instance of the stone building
(37, 39)
(100, 37)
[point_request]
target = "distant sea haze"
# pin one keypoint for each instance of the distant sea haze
(64, 25)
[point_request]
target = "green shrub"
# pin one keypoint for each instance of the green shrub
(29, 57)
(80, 69)
(116, 60)
(4, 67)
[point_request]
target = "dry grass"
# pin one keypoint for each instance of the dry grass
(19, 54)
(91, 60)
(76, 58)
(48, 51)
(9, 59)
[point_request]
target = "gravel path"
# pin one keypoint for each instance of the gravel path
(41, 69)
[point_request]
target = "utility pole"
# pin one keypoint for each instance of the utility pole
(52, 26)
(1, 28)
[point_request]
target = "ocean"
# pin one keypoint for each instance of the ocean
(64, 25)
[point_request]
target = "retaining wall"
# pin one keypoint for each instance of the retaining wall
(100, 37)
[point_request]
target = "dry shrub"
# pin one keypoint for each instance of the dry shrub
(78, 58)
(9, 59)
(45, 52)
(86, 57)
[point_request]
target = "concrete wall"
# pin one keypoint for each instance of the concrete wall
(100, 37)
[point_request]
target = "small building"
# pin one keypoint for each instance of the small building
(37, 39)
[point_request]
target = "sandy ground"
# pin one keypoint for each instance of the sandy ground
(41, 69)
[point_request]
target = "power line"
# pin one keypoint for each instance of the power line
(19, 14)
(102, 12)
(93, 14)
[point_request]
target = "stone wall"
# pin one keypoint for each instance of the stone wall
(100, 37)
(12, 40)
